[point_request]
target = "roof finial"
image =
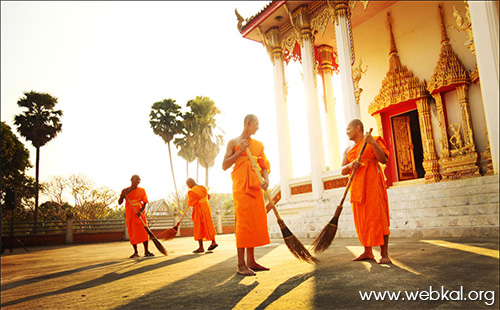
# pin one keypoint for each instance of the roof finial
(444, 36)
(393, 50)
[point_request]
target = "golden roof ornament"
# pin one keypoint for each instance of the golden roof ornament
(399, 84)
(449, 71)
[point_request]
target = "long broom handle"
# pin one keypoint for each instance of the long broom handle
(271, 202)
(339, 208)
(185, 211)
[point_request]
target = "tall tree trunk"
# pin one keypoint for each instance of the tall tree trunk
(197, 168)
(37, 173)
(187, 169)
(206, 177)
(172, 167)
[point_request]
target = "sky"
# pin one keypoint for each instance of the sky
(108, 62)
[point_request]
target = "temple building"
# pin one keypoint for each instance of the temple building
(422, 74)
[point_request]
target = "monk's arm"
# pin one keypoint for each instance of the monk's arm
(379, 153)
(124, 192)
(348, 167)
(231, 156)
(265, 177)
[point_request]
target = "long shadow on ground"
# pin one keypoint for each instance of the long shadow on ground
(217, 287)
(55, 275)
(105, 279)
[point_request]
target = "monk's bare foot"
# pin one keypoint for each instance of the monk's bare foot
(363, 256)
(245, 271)
(257, 267)
(385, 260)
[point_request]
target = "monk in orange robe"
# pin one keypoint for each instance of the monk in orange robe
(370, 206)
(202, 215)
(250, 212)
(136, 231)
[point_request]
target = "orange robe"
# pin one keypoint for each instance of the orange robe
(136, 231)
(370, 206)
(202, 215)
(250, 212)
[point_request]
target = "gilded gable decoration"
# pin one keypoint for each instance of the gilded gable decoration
(449, 70)
(458, 150)
(399, 86)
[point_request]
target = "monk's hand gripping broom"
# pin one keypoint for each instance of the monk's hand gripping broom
(172, 232)
(294, 245)
(325, 237)
(157, 243)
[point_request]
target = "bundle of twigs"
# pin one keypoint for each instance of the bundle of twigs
(157, 243)
(293, 243)
(170, 234)
(325, 237)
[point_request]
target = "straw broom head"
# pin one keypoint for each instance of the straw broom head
(168, 234)
(325, 237)
(294, 245)
(159, 246)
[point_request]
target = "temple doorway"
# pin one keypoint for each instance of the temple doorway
(408, 150)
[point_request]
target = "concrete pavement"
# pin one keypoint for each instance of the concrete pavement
(437, 274)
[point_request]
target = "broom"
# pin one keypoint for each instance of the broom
(172, 232)
(294, 245)
(157, 243)
(325, 237)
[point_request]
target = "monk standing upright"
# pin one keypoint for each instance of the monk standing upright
(202, 215)
(370, 206)
(134, 208)
(250, 211)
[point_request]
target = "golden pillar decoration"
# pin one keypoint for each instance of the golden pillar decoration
(430, 162)
(273, 43)
(441, 115)
(463, 98)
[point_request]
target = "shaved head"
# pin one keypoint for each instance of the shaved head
(249, 118)
(135, 176)
(190, 182)
(356, 122)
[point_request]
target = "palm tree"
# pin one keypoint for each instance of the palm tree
(39, 123)
(186, 142)
(207, 144)
(165, 122)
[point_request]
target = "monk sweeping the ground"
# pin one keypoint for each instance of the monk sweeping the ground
(370, 206)
(202, 215)
(250, 212)
(134, 207)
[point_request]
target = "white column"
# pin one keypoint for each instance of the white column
(484, 17)
(343, 39)
(284, 146)
(316, 151)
